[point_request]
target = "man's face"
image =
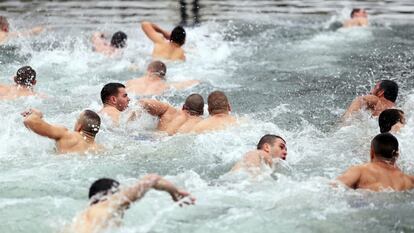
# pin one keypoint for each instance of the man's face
(121, 100)
(278, 149)
(376, 90)
(361, 14)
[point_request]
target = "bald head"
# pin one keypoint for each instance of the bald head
(4, 24)
(194, 104)
(218, 103)
(90, 122)
(157, 68)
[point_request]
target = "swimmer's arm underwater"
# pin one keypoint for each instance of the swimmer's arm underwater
(350, 178)
(34, 121)
(153, 32)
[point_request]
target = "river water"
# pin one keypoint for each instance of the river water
(284, 71)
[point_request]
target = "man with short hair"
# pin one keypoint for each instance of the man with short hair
(382, 97)
(166, 45)
(269, 147)
(5, 33)
(115, 100)
(391, 120)
(219, 110)
(381, 172)
(102, 45)
(173, 120)
(154, 82)
(25, 80)
(108, 202)
(81, 140)
(359, 17)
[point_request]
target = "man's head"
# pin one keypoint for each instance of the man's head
(194, 104)
(274, 145)
(4, 24)
(89, 123)
(101, 188)
(391, 120)
(114, 94)
(178, 35)
(387, 89)
(25, 76)
(119, 40)
(157, 68)
(384, 147)
(218, 103)
(358, 13)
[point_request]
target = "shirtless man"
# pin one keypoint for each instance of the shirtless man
(25, 80)
(391, 120)
(115, 100)
(108, 202)
(102, 45)
(359, 17)
(382, 172)
(166, 45)
(219, 110)
(174, 120)
(5, 34)
(154, 83)
(382, 97)
(269, 147)
(82, 139)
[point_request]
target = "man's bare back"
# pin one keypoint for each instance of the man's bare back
(66, 141)
(166, 45)
(171, 120)
(377, 176)
(381, 172)
(146, 86)
(215, 122)
(13, 92)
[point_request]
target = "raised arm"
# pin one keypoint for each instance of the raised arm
(135, 192)
(31, 32)
(154, 32)
(184, 84)
(155, 107)
(350, 178)
(34, 121)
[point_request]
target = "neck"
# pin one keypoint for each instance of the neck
(220, 114)
(107, 105)
(175, 44)
(385, 163)
(154, 77)
(87, 137)
(267, 158)
(24, 87)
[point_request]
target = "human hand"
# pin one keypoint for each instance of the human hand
(32, 111)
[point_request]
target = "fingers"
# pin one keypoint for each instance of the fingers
(26, 113)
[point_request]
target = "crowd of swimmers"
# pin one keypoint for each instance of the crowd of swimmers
(108, 200)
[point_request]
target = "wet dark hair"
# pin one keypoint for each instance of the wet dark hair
(91, 122)
(194, 104)
(385, 145)
(355, 10)
(119, 40)
(178, 35)
(103, 187)
(110, 89)
(158, 68)
(26, 76)
(4, 24)
(268, 139)
(388, 118)
(217, 102)
(390, 89)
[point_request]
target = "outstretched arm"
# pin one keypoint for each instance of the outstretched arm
(350, 178)
(135, 192)
(155, 107)
(154, 32)
(184, 84)
(34, 121)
